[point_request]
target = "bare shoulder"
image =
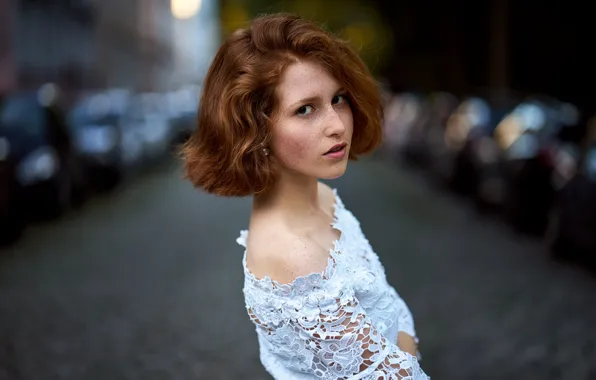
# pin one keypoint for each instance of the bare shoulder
(283, 255)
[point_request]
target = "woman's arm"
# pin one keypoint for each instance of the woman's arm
(345, 343)
(407, 343)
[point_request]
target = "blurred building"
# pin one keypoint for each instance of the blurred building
(133, 43)
(7, 64)
(50, 41)
(86, 44)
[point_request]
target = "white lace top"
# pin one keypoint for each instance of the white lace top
(339, 324)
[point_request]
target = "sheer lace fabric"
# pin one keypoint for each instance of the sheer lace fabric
(341, 323)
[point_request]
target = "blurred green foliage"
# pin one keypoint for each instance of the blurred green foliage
(353, 20)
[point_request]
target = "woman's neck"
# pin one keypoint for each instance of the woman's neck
(296, 196)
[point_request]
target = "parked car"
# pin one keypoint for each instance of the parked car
(182, 106)
(464, 128)
(572, 232)
(103, 139)
(40, 172)
(150, 122)
(530, 164)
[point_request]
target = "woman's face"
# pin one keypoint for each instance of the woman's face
(313, 117)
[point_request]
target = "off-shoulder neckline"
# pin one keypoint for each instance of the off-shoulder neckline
(301, 283)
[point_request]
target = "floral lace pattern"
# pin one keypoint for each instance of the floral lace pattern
(341, 323)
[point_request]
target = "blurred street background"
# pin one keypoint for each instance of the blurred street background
(481, 203)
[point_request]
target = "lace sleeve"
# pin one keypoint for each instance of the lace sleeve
(346, 344)
(405, 319)
(335, 339)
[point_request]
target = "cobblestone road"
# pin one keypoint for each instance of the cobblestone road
(147, 285)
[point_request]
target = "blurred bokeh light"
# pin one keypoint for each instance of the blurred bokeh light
(184, 9)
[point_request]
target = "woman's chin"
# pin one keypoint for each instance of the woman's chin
(333, 173)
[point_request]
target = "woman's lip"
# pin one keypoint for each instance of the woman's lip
(339, 154)
(341, 146)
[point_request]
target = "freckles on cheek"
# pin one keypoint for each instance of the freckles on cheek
(294, 149)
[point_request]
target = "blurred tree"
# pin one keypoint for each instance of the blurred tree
(234, 15)
(353, 20)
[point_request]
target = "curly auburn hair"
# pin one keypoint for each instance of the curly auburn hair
(224, 154)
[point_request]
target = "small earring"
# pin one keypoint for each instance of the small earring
(266, 151)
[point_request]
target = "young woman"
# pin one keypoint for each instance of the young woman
(285, 104)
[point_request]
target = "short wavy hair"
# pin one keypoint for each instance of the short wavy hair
(238, 103)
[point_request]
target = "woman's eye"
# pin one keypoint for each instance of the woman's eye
(340, 99)
(305, 110)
